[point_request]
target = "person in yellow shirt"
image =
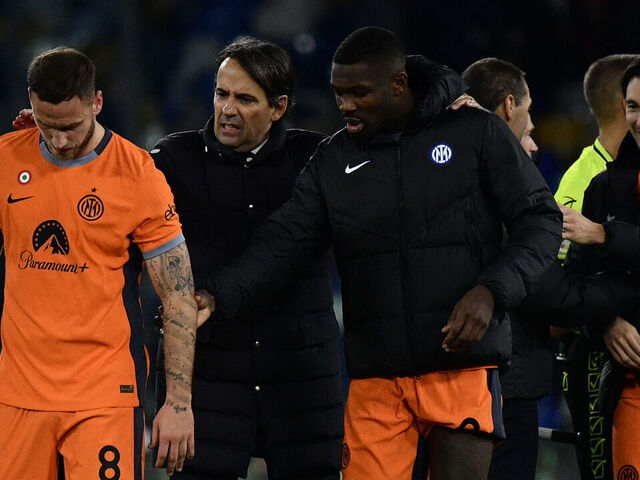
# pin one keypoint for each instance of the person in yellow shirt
(602, 93)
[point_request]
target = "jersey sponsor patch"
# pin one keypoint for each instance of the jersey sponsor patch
(51, 237)
(49, 240)
(441, 154)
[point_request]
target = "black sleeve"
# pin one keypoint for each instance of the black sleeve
(568, 301)
(291, 237)
(529, 212)
(622, 245)
(162, 159)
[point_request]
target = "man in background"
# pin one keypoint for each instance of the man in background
(584, 358)
(501, 87)
(612, 231)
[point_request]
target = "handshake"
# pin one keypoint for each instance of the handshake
(206, 306)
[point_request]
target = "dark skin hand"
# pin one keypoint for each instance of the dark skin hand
(469, 319)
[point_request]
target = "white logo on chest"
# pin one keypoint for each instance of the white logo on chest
(349, 169)
(441, 154)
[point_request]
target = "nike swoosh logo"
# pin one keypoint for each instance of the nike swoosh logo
(610, 217)
(10, 199)
(349, 169)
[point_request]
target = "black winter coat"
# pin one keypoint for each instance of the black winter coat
(613, 199)
(222, 197)
(413, 228)
(565, 300)
(590, 291)
(266, 383)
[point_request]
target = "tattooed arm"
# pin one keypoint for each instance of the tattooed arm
(172, 280)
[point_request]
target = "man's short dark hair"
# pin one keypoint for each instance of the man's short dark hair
(601, 86)
(491, 80)
(632, 71)
(267, 63)
(60, 74)
(370, 46)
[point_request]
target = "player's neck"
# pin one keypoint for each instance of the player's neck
(611, 137)
(95, 139)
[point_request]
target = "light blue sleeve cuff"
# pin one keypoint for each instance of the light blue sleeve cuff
(164, 248)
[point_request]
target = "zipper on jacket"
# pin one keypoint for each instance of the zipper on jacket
(403, 250)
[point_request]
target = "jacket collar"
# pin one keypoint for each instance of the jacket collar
(275, 143)
(628, 154)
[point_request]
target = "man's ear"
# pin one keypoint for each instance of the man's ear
(399, 83)
(97, 102)
(506, 108)
(280, 108)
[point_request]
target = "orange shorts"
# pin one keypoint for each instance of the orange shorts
(626, 436)
(385, 417)
(101, 444)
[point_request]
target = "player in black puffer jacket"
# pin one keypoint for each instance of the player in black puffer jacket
(414, 204)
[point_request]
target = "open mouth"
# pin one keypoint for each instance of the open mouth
(354, 125)
(229, 128)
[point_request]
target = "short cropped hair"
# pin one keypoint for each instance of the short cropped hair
(267, 63)
(601, 86)
(60, 74)
(632, 71)
(370, 46)
(491, 80)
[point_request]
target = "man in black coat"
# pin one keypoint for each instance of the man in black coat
(611, 235)
(501, 87)
(267, 383)
(413, 203)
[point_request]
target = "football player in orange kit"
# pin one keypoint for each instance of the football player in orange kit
(81, 208)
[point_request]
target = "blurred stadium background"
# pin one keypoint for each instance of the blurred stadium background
(155, 67)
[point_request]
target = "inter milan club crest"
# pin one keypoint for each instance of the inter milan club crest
(90, 207)
(627, 472)
(441, 154)
(346, 456)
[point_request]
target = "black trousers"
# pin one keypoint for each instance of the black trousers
(515, 458)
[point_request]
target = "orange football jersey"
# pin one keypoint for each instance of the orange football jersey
(75, 235)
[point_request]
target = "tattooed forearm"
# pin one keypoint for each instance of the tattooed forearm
(182, 280)
(174, 270)
(177, 408)
(171, 277)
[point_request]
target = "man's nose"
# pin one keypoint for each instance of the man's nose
(346, 104)
(229, 107)
(59, 139)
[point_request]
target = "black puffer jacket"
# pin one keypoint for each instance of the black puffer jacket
(271, 375)
(222, 197)
(415, 220)
(613, 199)
(564, 300)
